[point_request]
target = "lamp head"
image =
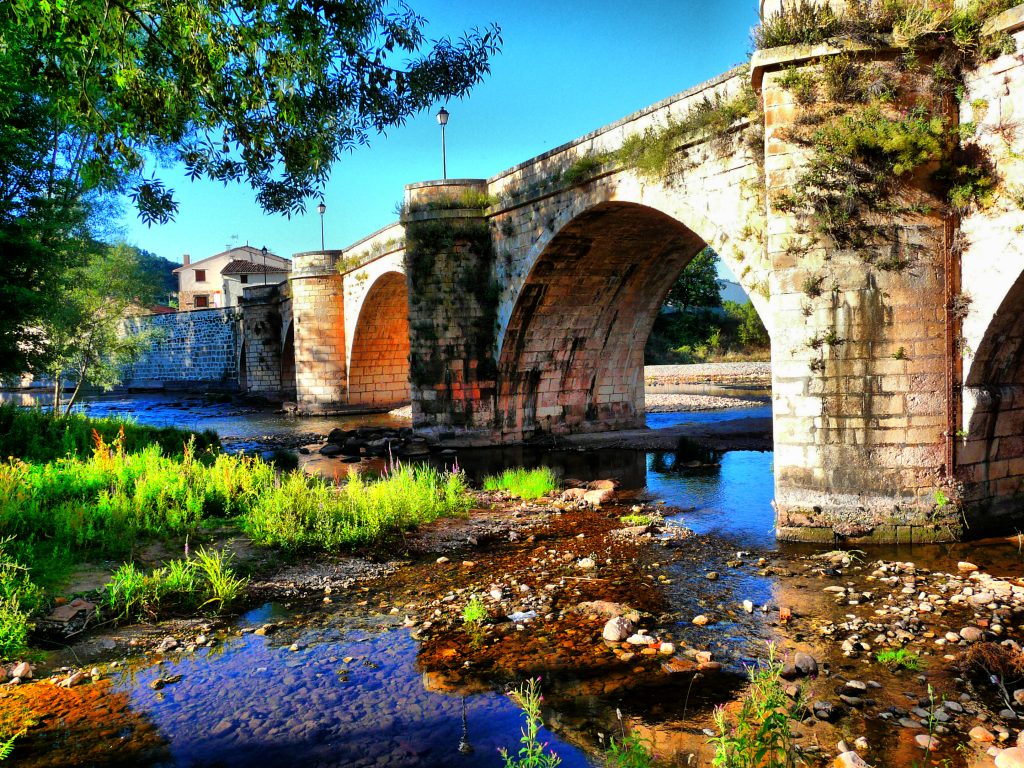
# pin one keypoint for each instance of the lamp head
(442, 117)
(322, 208)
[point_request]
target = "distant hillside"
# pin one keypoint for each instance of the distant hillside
(158, 271)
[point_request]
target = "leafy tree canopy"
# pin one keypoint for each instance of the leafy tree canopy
(267, 92)
(698, 285)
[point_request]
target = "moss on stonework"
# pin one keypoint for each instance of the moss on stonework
(452, 260)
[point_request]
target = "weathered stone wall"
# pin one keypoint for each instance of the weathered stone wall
(990, 441)
(198, 347)
(450, 271)
(319, 327)
(859, 361)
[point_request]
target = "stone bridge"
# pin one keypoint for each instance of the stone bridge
(519, 306)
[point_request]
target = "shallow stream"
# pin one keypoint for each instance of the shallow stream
(339, 687)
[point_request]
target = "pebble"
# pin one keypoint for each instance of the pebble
(924, 741)
(971, 634)
(442, 560)
(850, 760)
(983, 735)
(711, 576)
(701, 620)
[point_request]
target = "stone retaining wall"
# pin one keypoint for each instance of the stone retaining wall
(198, 347)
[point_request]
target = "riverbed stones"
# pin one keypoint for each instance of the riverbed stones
(21, 670)
(617, 629)
(700, 620)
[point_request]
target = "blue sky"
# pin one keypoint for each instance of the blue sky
(566, 69)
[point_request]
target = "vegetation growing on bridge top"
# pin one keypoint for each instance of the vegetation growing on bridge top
(905, 23)
(655, 152)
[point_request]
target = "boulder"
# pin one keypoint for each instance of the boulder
(617, 629)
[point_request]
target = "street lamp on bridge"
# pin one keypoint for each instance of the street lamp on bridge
(442, 120)
(323, 209)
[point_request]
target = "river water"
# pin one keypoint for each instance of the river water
(353, 694)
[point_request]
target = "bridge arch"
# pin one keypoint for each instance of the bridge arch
(991, 451)
(571, 355)
(379, 362)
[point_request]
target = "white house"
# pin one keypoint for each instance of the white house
(218, 281)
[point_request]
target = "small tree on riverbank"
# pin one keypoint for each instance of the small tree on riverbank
(82, 338)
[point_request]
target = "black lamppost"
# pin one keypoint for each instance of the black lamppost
(263, 250)
(323, 209)
(442, 120)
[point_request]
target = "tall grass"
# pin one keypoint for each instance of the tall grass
(304, 512)
(183, 585)
(524, 483)
(105, 503)
(37, 436)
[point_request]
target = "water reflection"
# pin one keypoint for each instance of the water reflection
(352, 696)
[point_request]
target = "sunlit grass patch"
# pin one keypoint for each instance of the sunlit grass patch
(524, 483)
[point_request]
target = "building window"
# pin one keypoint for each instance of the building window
(200, 275)
(202, 302)
(244, 279)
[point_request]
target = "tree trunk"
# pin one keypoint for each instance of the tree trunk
(56, 395)
(74, 394)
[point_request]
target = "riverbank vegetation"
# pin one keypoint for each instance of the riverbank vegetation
(138, 484)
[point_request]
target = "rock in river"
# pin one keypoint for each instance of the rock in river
(617, 629)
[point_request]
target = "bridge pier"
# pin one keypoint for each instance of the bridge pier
(321, 383)
(449, 263)
(862, 356)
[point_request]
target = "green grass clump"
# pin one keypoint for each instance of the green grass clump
(631, 521)
(475, 611)
(523, 483)
(180, 585)
(762, 735)
(899, 658)
(631, 752)
(36, 436)
(306, 512)
(19, 599)
(101, 505)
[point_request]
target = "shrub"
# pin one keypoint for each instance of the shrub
(524, 483)
(19, 599)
